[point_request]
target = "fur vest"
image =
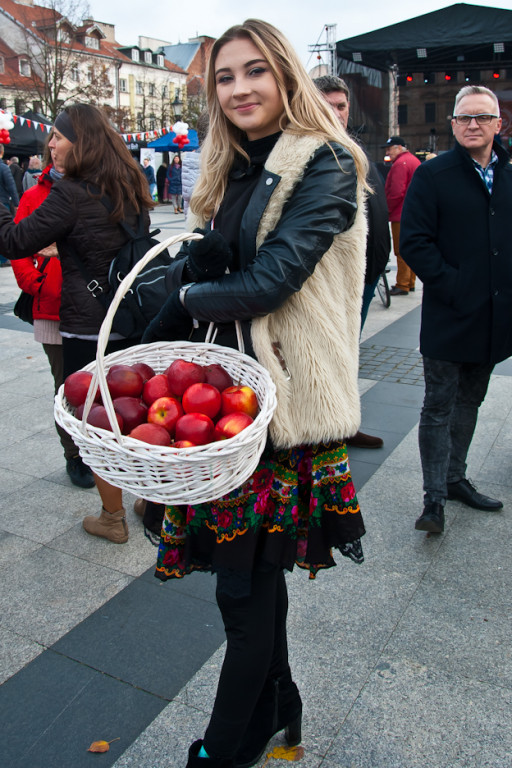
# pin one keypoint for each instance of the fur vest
(316, 330)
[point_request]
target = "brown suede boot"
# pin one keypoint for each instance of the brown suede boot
(109, 525)
(139, 507)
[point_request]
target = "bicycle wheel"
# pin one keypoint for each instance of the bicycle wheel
(383, 289)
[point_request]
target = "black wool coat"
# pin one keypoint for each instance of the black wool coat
(458, 239)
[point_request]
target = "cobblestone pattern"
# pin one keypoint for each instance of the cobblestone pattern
(391, 364)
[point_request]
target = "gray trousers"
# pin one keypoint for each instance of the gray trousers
(453, 394)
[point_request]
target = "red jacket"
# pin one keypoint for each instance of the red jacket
(397, 182)
(45, 288)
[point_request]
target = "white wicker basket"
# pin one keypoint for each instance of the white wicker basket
(161, 474)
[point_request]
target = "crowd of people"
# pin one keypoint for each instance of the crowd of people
(296, 223)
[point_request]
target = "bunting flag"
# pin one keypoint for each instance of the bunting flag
(31, 123)
(139, 136)
(147, 135)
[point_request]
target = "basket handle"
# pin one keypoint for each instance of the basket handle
(99, 376)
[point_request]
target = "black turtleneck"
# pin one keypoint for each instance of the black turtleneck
(242, 180)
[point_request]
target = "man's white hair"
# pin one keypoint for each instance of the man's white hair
(475, 90)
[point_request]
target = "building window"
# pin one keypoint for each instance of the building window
(148, 57)
(19, 106)
(36, 106)
(123, 86)
(139, 89)
(24, 67)
(165, 92)
(75, 73)
(430, 112)
(152, 122)
(151, 89)
(160, 60)
(2, 65)
(140, 122)
(135, 54)
(402, 114)
(92, 42)
(90, 74)
(3, 103)
(63, 35)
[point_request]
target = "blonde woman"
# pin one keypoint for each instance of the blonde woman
(280, 201)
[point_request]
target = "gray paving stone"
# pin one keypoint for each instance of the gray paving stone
(15, 652)
(410, 714)
(38, 455)
(75, 706)
(13, 547)
(35, 513)
(50, 592)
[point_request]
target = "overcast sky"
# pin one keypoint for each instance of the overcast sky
(301, 21)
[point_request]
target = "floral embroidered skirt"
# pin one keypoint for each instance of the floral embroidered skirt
(297, 506)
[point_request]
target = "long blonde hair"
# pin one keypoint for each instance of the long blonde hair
(305, 112)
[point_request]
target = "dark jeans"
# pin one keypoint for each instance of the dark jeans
(256, 649)
(453, 394)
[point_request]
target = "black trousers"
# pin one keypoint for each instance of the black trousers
(54, 355)
(257, 649)
(79, 352)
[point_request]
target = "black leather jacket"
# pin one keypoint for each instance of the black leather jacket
(322, 205)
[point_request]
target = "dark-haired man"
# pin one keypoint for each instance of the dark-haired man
(378, 243)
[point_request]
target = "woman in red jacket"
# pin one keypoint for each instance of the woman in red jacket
(41, 276)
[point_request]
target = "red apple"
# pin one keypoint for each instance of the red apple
(165, 411)
(157, 386)
(76, 387)
(184, 444)
(230, 425)
(79, 413)
(98, 417)
(202, 398)
(196, 427)
(145, 371)
(151, 433)
(132, 410)
(182, 374)
(216, 375)
(239, 398)
(123, 381)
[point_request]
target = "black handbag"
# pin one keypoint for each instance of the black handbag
(23, 307)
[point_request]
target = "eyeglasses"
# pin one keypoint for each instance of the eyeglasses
(480, 119)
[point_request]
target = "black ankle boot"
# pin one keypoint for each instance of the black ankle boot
(279, 707)
(206, 762)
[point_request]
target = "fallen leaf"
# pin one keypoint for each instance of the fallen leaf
(101, 746)
(292, 754)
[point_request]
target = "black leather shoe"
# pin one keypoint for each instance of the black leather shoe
(432, 518)
(467, 493)
(396, 291)
(79, 473)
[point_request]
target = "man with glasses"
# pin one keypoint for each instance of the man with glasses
(457, 236)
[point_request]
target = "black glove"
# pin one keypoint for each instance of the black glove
(173, 322)
(207, 258)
